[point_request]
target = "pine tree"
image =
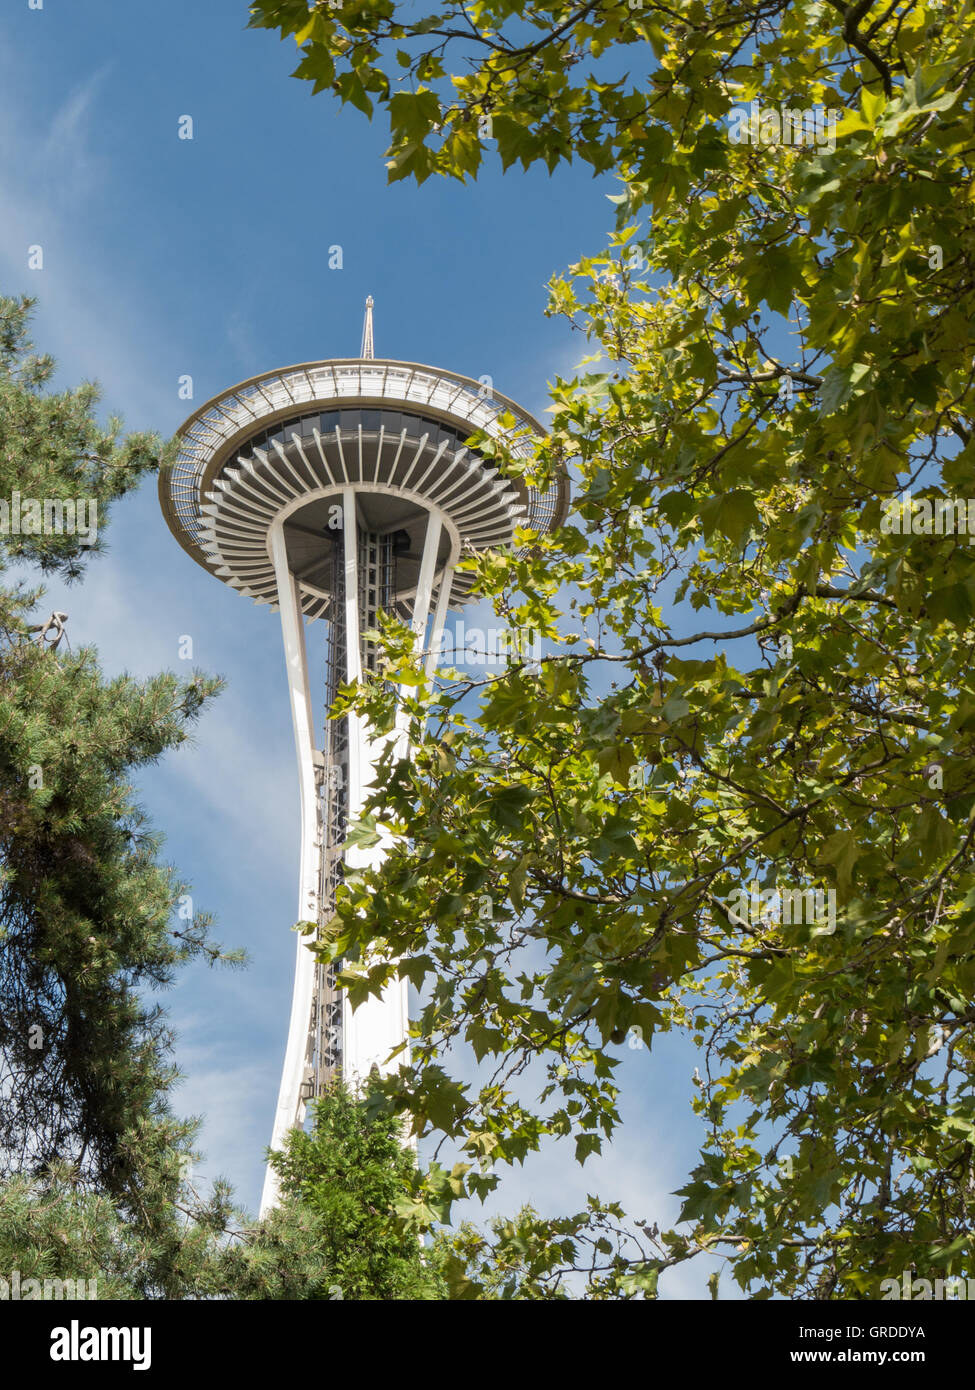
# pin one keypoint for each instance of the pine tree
(338, 1232)
(86, 908)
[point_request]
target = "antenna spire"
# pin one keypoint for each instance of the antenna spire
(367, 347)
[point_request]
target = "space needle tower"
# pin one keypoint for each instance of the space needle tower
(334, 491)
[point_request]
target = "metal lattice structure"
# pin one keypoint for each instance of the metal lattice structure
(336, 491)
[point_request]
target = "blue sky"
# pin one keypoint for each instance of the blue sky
(165, 257)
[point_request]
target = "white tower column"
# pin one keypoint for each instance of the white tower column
(290, 1108)
(379, 1026)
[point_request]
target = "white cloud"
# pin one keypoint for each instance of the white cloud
(91, 313)
(65, 162)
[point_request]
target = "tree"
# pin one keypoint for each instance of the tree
(87, 911)
(338, 1233)
(738, 798)
(52, 447)
(61, 1232)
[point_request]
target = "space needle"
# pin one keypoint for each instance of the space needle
(334, 491)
